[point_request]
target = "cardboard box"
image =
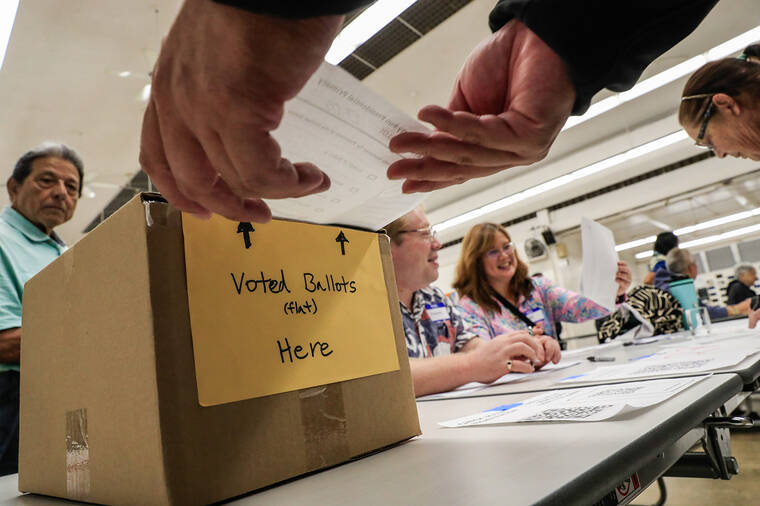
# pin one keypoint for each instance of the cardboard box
(109, 404)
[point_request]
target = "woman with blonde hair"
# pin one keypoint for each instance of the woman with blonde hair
(497, 294)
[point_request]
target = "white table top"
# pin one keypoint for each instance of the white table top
(568, 463)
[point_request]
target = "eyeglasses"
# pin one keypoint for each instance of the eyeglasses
(505, 249)
(705, 119)
(426, 233)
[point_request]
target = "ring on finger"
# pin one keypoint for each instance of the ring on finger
(530, 331)
(509, 365)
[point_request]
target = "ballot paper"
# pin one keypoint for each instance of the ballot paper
(599, 263)
(343, 127)
(688, 358)
(470, 388)
(589, 404)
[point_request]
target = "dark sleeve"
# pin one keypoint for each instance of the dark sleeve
(732, 295)
(605, 43)
(296, 8)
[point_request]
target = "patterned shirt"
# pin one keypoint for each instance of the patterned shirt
(547, 302)
(433, 326)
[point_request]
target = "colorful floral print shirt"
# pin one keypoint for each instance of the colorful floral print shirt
(547, 302)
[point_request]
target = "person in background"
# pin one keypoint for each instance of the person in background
(665, 242)
(681, 264)
(740, 288)
(497, 295)
(720, 106)
(225, 72)
(443, 353)
(44, 189)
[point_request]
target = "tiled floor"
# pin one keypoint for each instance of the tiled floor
(742, 489)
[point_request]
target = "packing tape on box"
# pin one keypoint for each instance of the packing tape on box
(323, 418)
(155, 215)
(77, 455)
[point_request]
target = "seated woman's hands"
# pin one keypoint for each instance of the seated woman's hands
(552, 351)
(513, 352)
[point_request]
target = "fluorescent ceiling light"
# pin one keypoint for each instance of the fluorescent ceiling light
(8, 10)
(361, 29)
(710, 239)
(586, 171)
(692, 228)
(721, 51)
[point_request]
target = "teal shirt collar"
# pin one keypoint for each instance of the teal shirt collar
(26, 227)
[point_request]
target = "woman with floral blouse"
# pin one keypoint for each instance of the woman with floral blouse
(490, 277)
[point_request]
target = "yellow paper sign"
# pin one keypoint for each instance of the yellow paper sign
(284, 306)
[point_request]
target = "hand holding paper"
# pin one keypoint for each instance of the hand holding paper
(218, 90)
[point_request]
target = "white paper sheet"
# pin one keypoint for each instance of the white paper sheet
(599, 263)
(688, 358)
(469, 388)
(587, 404)
(343, 127)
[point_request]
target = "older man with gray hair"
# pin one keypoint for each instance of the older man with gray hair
(681, 264)
(44, 188)
(740, 288)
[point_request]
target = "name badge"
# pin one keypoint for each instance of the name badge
(535, 315)
(437, 312)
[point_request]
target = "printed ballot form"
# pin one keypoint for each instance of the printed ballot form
(676, 359)
(588, 404)
(283, 306)
(599, 263)
(343, 127)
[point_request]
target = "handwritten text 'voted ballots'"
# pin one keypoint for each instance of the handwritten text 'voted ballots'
(282, 306)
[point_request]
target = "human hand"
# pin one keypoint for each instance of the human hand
(218, 90)
(510, 100)
(513, 352)
(754, 316)
(623, 278)
(552, 351)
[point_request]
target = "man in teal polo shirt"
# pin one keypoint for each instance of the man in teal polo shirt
(44, 188)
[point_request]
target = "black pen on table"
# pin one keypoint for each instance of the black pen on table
(600, 359)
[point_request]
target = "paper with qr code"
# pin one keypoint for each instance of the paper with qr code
(589, 404)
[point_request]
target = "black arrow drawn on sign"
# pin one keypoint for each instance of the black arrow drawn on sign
(246, 228)
(342, 240)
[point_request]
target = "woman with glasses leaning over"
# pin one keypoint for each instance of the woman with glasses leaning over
(497, 294)
(720, 106)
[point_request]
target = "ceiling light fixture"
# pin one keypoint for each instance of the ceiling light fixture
(586, 171)
(709, 239)
(361, 29)
(8, 9)
(692, 228)
(720, 51)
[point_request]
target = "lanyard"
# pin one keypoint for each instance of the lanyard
(514, 310)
